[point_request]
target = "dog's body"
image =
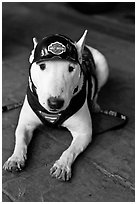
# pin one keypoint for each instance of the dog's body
(55, 82)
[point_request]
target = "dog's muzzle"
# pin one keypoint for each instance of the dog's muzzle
(55, 103)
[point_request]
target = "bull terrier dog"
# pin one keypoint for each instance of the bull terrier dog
(64, 80)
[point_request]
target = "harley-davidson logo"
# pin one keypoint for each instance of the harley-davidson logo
(56, 48)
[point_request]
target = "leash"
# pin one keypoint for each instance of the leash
(111, 114)
(11, 106)
(107, 120)
(123, 118)
(114, 114)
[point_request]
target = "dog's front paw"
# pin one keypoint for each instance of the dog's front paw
(14, 163)
(60, 171)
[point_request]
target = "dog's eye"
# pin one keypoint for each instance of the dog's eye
(42, 66)
(71, 68)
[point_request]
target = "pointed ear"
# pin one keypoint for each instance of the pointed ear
(80, 45)
(35, 42)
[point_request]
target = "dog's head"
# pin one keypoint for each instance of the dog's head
(56, 70)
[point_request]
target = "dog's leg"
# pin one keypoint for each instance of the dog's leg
(80, 126)
(28, 121)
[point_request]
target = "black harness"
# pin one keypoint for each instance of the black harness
(78, 100)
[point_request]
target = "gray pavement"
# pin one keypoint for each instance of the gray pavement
(105, 171)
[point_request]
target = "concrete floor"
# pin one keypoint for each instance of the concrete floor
(105, 171)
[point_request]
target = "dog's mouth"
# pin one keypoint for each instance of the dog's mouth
(54, 110)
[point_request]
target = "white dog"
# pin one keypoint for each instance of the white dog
(64, 80)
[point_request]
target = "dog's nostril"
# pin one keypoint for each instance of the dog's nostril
(55, 103)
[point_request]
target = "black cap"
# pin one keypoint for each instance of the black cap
(55, 47)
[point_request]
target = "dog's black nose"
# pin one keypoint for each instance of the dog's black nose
(55, 103)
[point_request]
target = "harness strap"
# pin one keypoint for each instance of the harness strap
(32, 84)
(89, 70)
